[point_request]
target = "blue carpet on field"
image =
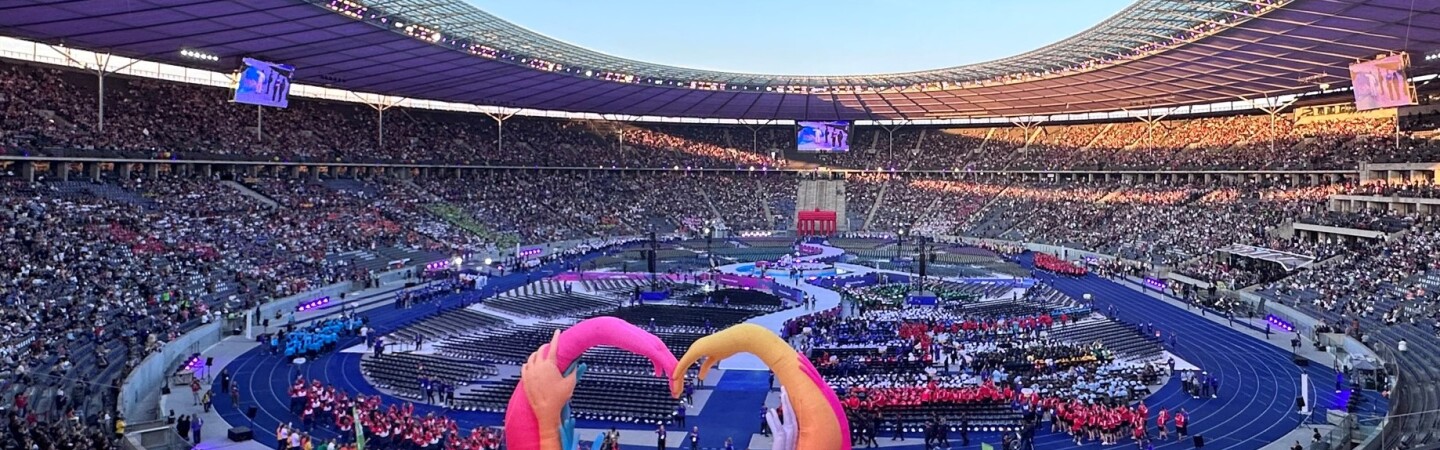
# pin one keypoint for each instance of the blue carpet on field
(1258, 381)
(733, 409)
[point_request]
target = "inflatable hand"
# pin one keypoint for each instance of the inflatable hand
(782, 427)
(819, 419)
(523, 429)
(548, 392)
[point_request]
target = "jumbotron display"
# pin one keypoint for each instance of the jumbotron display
(1382, 83)
(823, 137)
(264, 83)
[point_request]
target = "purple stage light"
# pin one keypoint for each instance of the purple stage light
(313, 304)
(195, 363)
(437, 265)
(1277, 321)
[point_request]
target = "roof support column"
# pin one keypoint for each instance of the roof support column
(1151, 121)
(1273, 108)
(890, 140)
(379, 103)
(755, 134)
(500, 117)
(101, 68)
(1028, 125)
(618, 121)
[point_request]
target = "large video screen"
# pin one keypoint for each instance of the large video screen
(264, 83)
(831, 136)
(1381, 83)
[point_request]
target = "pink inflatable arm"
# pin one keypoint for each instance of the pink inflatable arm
(830, 397)
(522, 428)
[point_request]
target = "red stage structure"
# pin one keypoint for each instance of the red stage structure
(815, 223)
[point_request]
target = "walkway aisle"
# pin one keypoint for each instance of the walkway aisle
(824, 299)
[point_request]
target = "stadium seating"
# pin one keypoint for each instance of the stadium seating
(53, 114)
(448, 323)
(1114, 336)
(401, 373)
(611, 397)
(160, 255)
(547, 301)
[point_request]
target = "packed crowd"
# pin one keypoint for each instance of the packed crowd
(924, 206)
(1375, 282)
(1153, 222)
(334, 412)
(53, 110)
(891, 358)
(95, 277)
(1055, 264)
(98, 276)
(1401, 188)
(581, 205)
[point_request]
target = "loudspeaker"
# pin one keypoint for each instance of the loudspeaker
(651, 254)
(251, 412)
(209, 361)
(1302, 361)
(241, 434)
(923, 267)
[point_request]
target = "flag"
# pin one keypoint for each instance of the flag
(359, 429)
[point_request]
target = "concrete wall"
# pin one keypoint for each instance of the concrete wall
(147, 379)
(139, 394)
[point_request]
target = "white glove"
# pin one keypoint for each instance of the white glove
(785, 433)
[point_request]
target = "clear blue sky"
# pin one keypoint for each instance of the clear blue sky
(808, 38)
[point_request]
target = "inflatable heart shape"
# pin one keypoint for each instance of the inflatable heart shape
(538, 418)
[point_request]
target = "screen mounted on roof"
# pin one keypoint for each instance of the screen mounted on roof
(1382, 83)
(264, 83)
(828, 136)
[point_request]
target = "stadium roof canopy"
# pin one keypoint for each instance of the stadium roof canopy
(1153, 53)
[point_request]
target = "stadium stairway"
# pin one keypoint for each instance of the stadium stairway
(246, 191)
(350, 185)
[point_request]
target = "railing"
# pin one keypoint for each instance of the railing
(1340, 437)
(97, 156)
(148, 378)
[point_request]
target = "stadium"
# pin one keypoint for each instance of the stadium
(416, 225)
